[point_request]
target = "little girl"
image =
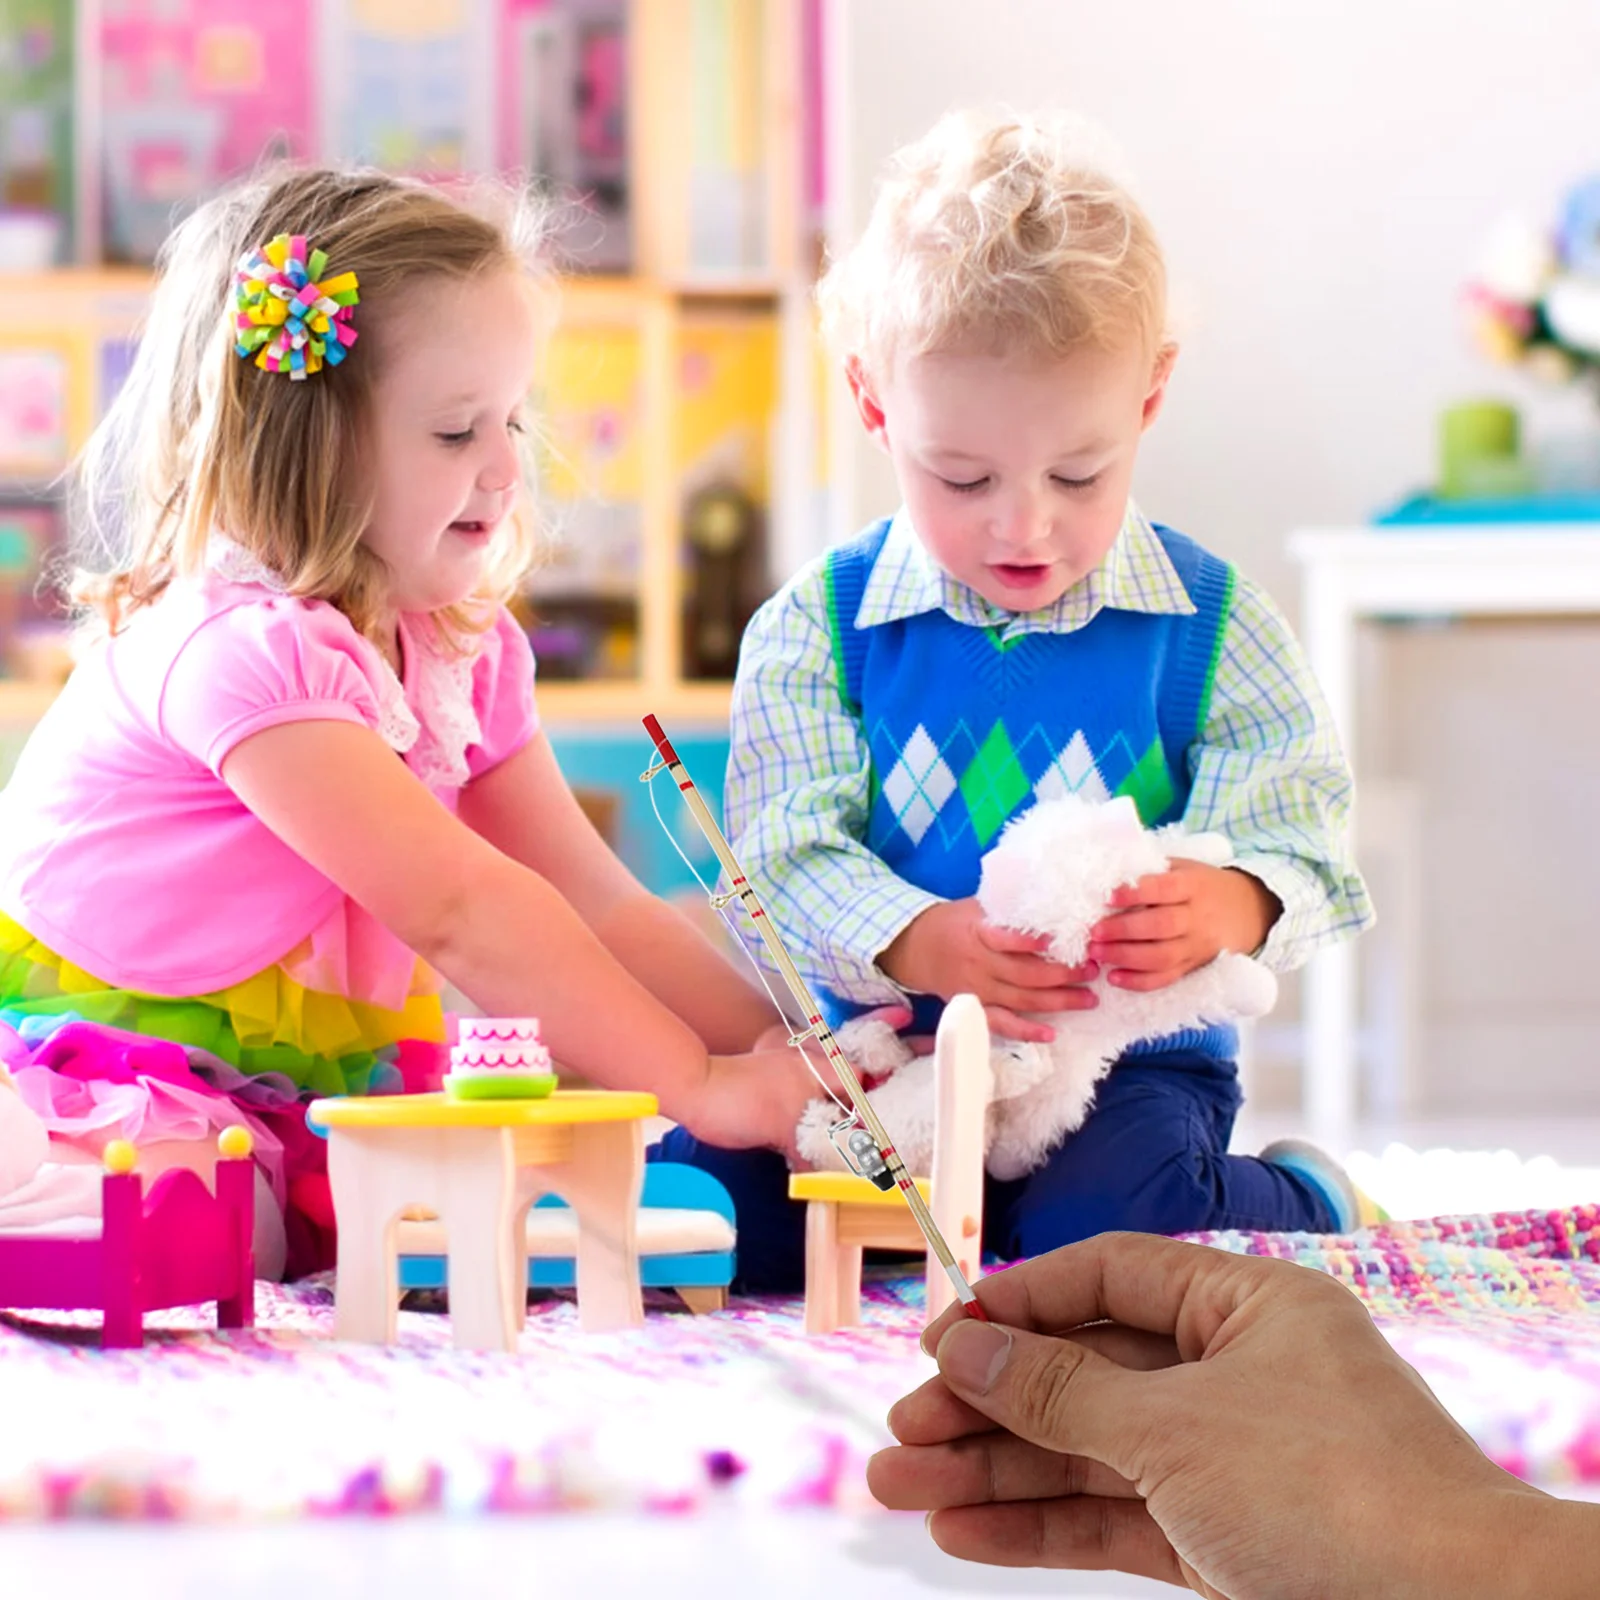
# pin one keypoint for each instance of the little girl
(302, 772)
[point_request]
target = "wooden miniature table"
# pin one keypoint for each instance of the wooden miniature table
(478, 1165)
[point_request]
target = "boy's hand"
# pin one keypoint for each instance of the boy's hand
(950, 949)
(1167, 925)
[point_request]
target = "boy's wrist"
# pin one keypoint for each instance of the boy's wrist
(902, 959)
(1254, 912)
(893, 909)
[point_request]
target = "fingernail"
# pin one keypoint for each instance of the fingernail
(972, 1355)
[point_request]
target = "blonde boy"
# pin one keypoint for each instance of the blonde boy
(1018, 629)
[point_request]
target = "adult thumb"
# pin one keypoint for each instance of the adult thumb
(1051, 1392)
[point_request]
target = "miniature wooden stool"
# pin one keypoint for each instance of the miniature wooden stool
(846, 1213)
(477, 1165)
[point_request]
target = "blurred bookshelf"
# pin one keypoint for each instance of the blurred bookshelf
(678, 399)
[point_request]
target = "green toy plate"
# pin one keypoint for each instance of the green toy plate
(507, 1086)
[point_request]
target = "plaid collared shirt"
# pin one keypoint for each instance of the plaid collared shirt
(1267, 771)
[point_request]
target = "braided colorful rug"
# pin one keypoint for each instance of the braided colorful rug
(1501, 1314)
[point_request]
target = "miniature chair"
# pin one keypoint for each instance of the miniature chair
(176, 1246)
(846, 1213)
(685, 1236)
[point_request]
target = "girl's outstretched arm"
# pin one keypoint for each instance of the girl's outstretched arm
(525, 808)
(506, 936)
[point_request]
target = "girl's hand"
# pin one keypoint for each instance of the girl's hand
(757, 1099)
(778, 1036)
(751, 1101)
(1165, 926)
(950, 949)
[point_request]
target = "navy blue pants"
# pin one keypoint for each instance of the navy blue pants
(1152, 1157)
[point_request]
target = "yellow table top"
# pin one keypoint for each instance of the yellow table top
(849, 1189)
(564, 1106)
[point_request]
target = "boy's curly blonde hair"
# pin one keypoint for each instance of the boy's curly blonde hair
(997, 231)
(199, 439)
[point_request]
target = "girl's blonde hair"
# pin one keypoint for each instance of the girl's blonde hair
(201, 440)
(999, 231)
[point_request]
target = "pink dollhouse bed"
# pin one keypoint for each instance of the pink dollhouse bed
(177, 1246)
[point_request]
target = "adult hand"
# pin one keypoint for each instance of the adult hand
(1171, 923)
(950, 949)
(1226, 1422)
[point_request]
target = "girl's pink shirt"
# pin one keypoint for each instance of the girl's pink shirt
(122, 849)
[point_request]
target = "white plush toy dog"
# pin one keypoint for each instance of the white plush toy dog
(1052, 872)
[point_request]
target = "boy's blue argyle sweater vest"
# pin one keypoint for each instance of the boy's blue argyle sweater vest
(968, 731)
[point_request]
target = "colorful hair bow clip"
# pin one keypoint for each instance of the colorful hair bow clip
(290, 318)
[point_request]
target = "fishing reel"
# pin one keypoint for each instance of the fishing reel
(860, 1152)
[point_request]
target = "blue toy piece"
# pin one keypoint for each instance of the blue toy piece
(1578, 234)
(667, 1184)
(1423, 511)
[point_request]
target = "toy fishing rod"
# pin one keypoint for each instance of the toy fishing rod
(870, 1150)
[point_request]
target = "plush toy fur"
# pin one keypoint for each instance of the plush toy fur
(1053, 872)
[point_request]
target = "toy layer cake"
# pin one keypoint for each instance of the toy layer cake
(499, 1058)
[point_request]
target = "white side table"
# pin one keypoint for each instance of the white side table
(1351, 574)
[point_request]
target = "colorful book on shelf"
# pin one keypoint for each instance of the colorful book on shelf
(706, 211)
(1431, 511)
(33, 623)
(813, 146)
(408, 84)
(36, 133)
(592, 461)
(563, 119)
(592, 468)
(727, 177)
(66, 342)
(36, 386)
(195, 92)
(584, 596)
(727, 399)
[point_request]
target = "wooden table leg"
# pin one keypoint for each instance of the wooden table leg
(366, 1293)
(467, 1177)
(602, 1182)
(847, 1274)
(822, 1277)
(476, 1193)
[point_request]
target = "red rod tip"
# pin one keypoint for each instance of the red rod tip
(659, 739)
(974, 1309)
